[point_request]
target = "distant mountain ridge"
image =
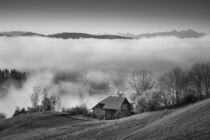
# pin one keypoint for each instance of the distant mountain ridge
(64, 35)
(67, 35)
(179, 34)
(19, 33)
(71, 35)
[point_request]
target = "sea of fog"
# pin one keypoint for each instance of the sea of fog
(94, 68)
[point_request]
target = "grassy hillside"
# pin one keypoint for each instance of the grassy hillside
(191, 122)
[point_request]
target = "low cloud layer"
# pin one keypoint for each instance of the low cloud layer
(86, 70)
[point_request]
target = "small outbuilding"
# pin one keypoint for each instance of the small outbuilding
(112, 107)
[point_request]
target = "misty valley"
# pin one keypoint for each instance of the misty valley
(54, 87)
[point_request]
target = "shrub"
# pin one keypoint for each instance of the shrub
(154, 102)
(78, 110)
(190, 98)
(148, 103)
(141, 104)
(46, 103)
(49, 103)
(63, 110)
(23, 111)
(38, 108)
(19, 111)
(2, 116)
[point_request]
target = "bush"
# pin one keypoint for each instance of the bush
(78, 110)
(46, 103)
(38, 108)
(49, 103)
(19, 111)
(2, 116)
(148, 103)
(190, 98)
(23, 111)
(141, 105)
(154, 102)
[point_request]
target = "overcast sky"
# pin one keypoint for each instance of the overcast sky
(100, 16)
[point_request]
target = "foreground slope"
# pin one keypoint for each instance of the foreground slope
(190, 122)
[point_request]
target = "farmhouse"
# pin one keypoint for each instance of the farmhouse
(113, 107)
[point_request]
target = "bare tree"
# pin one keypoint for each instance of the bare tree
(53, 102)
(142, 81)
(196, 78)
(206, 78)
(200, 78)
(58, 102)
(172, 85)
(35, 96)
(164, 90)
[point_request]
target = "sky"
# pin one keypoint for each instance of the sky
(100, 16)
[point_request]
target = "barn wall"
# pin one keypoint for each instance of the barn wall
(126, 106)
(99, 112)
(110, 114)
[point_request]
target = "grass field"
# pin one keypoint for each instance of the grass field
(191, 122)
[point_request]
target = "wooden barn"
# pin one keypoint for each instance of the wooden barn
(112, 107)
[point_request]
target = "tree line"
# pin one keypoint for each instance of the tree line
(174, 88)
(12, 76)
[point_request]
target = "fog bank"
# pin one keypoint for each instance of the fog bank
(85, 71)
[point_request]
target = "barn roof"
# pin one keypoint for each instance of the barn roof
(112, 102)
